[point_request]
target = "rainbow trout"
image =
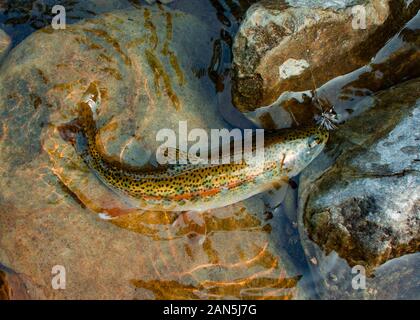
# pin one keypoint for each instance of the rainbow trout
(200, 187)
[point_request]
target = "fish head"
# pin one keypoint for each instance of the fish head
(293, 149)
(314, 140)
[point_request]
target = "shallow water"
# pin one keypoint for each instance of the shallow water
(248, 250)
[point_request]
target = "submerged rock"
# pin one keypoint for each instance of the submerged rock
(145, 63)
(21, 18)
(361, 198)
(4, 44)
(278, 46)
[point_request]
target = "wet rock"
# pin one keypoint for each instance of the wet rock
(361, 197)
(4, 44)
(278, 46)
(396, 62)
(54, 210)
(334, 279)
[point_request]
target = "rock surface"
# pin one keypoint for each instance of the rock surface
(336, 280)
(396, 62)
(278, 46)
(146, 67)
(4, 44)
(361, 198)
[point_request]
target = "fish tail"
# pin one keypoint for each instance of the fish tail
(86, 140)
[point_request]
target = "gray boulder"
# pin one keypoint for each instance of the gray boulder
(361, 198)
